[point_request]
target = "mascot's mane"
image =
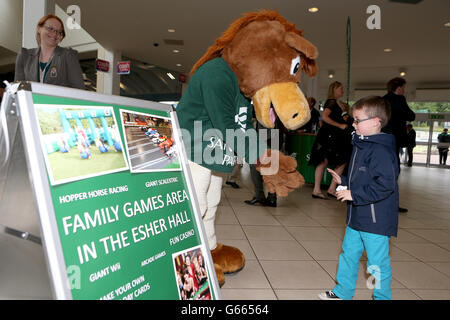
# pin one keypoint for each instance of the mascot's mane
(215, 50)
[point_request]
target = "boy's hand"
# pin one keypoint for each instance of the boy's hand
(344, 195)
(336, 177)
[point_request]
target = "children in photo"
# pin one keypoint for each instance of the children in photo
(372, 202)
(85, 153)
(63, 144)
(101, 145)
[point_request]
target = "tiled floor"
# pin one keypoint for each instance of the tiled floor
(292, 251)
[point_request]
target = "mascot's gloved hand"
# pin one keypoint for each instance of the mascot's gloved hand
(279, 172)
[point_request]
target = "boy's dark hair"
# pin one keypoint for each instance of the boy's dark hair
(374, 106)
(393, 84)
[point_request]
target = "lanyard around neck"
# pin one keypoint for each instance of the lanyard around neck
(43, 73)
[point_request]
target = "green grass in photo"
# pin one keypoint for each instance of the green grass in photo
(70, 165)
(173, 165)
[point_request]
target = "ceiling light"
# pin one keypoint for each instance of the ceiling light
(447, 24)
(145, 66)
(175, 51)
(402, 72)
(171, 30)
(179, 64)
(313, 9)
(388, 50)
(170, 76)
(330, 74)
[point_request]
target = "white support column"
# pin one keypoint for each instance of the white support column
(309, 86)
(109, 82)
(314, 90)
(33, 11)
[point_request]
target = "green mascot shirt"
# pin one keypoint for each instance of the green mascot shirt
(216, 119)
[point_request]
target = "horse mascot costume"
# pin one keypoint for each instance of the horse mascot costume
(258, 58)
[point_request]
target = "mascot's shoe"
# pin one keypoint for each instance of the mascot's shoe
(230, 259)
(220, 275)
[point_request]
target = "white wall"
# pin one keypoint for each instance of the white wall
(11, 24)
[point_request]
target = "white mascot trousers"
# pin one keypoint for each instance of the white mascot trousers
(208, 187)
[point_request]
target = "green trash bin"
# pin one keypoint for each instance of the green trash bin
(299, 146)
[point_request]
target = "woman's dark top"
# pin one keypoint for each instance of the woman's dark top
(333, 143)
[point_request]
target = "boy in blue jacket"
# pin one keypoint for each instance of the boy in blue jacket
(371, 192)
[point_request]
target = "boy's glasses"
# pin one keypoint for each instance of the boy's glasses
(58, 33)
(358, 121)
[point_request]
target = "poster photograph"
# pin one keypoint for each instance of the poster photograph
(79, 142)
(149, 142)
(192, 275)
(110, 234)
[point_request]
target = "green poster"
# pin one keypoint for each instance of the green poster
(122, 203)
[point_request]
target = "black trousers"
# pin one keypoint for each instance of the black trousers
(443, 156)
(257, 182)
(409, 151)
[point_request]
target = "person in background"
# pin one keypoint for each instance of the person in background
(444, 140)
(232, 177)
(400, 114)
(410, 143)
(259, 198)
(333, 142)
(49, 63)
(312, 126)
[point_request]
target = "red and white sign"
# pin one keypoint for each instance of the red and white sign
(124, 67)
(102, 65)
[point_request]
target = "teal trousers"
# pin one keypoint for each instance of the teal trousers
(378, 264)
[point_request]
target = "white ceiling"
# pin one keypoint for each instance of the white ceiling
(415, 33)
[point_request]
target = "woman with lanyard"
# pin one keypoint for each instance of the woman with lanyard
(49, 63)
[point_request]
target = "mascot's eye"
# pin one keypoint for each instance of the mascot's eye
(295, 65)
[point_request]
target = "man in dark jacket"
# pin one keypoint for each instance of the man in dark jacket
(410, 142)
(400, 114)
(312, 126)
(443, 139)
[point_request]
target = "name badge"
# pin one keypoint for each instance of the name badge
(53, 72)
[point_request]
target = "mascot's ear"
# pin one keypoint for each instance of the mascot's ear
(310, 67)
(302, 45)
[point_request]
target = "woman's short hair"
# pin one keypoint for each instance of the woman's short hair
(331, 87)
(374, 106)
(42, 22)
(393, 84)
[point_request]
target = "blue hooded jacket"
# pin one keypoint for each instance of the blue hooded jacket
(372, 180)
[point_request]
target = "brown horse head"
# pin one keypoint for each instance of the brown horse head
(267, 54)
